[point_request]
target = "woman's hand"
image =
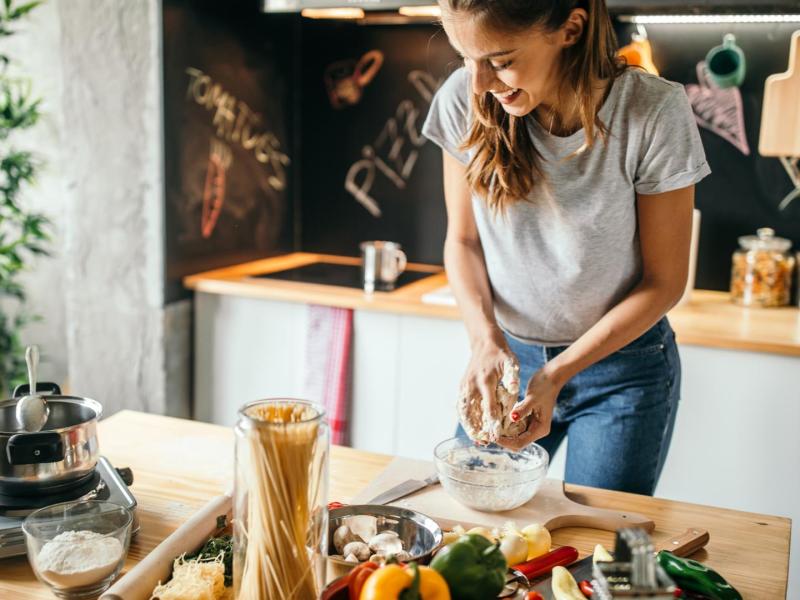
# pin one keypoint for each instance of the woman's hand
(539, 402)
(484, 371)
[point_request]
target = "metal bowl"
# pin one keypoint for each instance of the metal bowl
(420, 534)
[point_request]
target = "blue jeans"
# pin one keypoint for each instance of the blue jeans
(618, 414)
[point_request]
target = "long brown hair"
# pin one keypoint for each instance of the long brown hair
(505, 167)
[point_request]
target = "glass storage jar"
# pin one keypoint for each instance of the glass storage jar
(280, 514)
(761, 274)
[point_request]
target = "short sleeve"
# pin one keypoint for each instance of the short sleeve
(673, 155)
(448, 119)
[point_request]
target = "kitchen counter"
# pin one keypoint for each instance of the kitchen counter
(709, 319)
(179, 465)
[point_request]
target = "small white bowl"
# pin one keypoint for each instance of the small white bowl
(490, 478)
(53, 552)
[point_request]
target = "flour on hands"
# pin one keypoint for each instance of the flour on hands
(479, 425)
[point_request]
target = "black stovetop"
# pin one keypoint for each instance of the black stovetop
(326, 273)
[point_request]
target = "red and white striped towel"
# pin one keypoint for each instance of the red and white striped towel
(328, 351)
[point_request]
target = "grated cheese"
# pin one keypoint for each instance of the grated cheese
(194, 580)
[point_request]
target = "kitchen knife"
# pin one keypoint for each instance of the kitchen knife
(404, 489)
(684, 544)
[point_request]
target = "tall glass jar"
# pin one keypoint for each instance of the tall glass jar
(762, 270)
(280, 515)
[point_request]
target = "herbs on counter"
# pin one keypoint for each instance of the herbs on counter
(213, 548)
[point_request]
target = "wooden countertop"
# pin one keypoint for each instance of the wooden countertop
(179, 465)
(709, 319)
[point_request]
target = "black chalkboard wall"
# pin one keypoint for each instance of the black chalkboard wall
(743, 192)
(299, 72)
(396, 181)
(228, 123)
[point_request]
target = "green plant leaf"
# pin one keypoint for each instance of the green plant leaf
(23, 9)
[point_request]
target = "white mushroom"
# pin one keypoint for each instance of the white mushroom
(386, 543)
(341, 537)
(359, 549)
(378, 558)
(363, 526)
(403, 556)
(351, 558)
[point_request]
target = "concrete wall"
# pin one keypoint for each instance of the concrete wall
(105, 331)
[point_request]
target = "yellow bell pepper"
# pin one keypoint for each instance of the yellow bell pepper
(390, 581)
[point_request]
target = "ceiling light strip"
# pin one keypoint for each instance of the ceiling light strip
(707, 19)
(421, 11)
(333, 13)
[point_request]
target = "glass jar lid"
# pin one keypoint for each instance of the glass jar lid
(765, 240)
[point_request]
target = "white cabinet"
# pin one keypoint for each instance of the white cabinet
(245, 349)
(406, 370)
(433, 356)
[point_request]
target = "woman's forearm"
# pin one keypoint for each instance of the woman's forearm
(466, 273)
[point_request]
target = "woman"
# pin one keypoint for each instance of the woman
(569, 185)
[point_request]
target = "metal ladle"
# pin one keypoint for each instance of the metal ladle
(32, 410)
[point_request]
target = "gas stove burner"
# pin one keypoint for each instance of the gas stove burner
(91, 485)
(30, 492)
(105, 483)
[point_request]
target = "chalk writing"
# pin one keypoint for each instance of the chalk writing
(219, 160)
(236, 123)
(718, 110)
(394, 151)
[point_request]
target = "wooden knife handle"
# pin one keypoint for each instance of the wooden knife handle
(686, 543)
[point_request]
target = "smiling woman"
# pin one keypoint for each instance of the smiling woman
(569, 66)
(569, 184)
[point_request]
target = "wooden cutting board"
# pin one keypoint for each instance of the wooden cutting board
(550, 506)
(780, 113)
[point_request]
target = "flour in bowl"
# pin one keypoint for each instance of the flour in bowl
(78, 558)
(491, 479)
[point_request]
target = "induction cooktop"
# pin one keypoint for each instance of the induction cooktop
(327, 273)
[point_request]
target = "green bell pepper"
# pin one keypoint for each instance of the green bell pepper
(692, 576)
(474, 567)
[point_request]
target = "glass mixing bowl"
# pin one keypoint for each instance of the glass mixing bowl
(490, 478)
(78, 548)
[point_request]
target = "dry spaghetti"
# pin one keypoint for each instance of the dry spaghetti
(281, 463)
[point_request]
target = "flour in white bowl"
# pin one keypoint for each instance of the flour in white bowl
(78, 558)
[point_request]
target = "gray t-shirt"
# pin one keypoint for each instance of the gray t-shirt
(559, 262)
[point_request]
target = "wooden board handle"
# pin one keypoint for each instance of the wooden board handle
(686, 543)
(599, 518)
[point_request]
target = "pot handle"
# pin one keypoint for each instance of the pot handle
(35, 448)
(43, 387)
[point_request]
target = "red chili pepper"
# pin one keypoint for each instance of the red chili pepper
(357, 577)
(542, 565)
(534, 595)
(586, 588)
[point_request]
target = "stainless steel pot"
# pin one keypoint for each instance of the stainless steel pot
(63, 453)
